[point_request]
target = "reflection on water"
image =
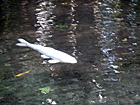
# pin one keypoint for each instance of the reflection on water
(102, 35)
(47, 21)
(107, 26)
(116, 44)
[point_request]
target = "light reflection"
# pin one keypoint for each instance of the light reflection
(73, 26)
(45, 25)
(44, 21)
(106, 25)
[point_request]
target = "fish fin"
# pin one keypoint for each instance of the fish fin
(53, 61)
(45, 57)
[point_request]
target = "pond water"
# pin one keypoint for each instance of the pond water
(103, 35)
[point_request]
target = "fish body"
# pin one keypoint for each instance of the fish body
(48, 52)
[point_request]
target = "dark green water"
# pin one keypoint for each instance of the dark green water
(103, 35)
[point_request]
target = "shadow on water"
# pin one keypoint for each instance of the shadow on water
(102, 35)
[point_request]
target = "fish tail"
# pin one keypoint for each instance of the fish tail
(22, 42)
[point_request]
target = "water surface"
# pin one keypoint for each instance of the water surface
(102, 35)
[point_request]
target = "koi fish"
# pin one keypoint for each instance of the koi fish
(48, 52)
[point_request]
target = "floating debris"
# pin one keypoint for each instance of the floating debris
(114, 66)
(52, 75)
(125, 40)
(65, 3)
(63, 26)
(116, 38)
(50, 101)
(118, 72)
(45, 90)
(120, 58)
(106, 51)
(53, 103)
(21, 74)
(97, 84)
(135, 44)
(101, 98)
(43, 103)
(112, 79)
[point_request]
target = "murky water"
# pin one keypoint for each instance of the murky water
(102, 35)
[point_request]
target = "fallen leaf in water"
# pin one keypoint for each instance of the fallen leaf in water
(45, 90)
(63, 26)
(116, 38)
(65, 3)
(7, 87)
(126, 53)
(54, 103)
(52, 75)
(120, 58)
(124, 40)
(50, 101)
(117, 72)
(21, 74)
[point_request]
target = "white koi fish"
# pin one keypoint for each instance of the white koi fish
(48, 52)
